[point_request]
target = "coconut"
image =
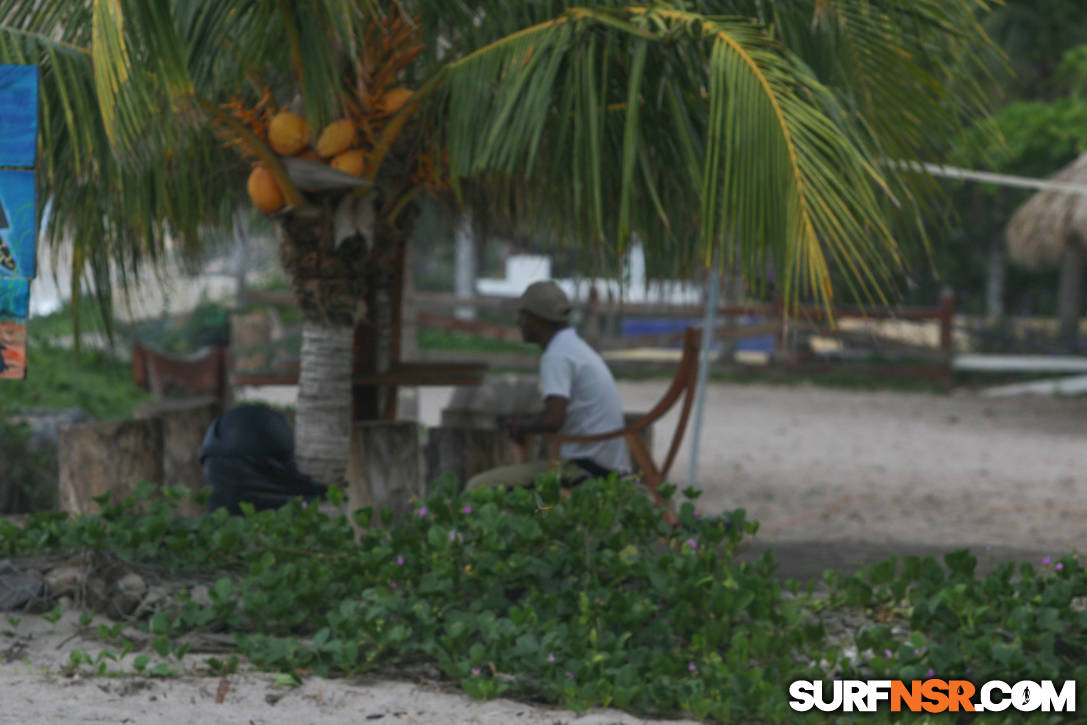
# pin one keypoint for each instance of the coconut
(288, 133)
(264, 191)
(394, 99)
(350, 162)
(337, 137)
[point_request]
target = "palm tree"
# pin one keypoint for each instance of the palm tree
(752, 130)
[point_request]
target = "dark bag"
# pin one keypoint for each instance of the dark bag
(248, 455)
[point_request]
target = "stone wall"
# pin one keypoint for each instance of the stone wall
(385, 466)
(184, 423)
(98, 458)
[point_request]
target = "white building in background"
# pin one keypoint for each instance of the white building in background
(524, 269)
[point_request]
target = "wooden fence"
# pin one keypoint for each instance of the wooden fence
(790, 333)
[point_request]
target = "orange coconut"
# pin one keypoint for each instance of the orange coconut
(351, 162)
(264, 191)
(288, 133)
(394, 99)
(337, 137)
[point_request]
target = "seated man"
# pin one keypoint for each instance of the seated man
(579, 392)
(248, 456)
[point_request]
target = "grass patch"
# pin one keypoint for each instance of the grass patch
(58, 378)
(431, 339)
(43, 328)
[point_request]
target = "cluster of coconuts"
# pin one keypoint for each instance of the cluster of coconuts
(290, 135)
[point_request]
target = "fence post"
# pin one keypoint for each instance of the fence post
(947, 316)
(592, 317)
(781, 339)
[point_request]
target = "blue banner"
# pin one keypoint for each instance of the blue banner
(18, 225)
(14, 299)
(18, 115)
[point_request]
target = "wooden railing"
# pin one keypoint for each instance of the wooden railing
(434, 311)
(208, 373)
(769, 319)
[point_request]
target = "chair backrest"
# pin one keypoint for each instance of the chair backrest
(163, 374)
(683, 384)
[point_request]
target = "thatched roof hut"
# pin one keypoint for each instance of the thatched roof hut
(1051, 230)
(1050, 221)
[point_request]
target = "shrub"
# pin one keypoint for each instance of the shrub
(586, 600)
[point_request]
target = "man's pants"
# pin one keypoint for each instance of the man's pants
(525, 474)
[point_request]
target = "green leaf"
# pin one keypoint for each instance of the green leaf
(159, 623)
(335, 495)
(287, 679)
(161, 646)
(438, 537)
(961, 563)
(223, 590)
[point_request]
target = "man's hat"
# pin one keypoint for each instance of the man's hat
(546, 299)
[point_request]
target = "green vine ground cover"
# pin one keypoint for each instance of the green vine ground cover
(585, 601)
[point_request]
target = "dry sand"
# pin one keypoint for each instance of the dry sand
(822, 465)
(835, 478)
(35, 690)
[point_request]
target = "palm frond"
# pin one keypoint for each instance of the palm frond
(718, 116)
(753, 130)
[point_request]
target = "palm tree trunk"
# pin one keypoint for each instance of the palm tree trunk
(323, 413)
(338, 286)
(328, 281)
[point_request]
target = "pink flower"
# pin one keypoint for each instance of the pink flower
(452, 535)
(421, 512)
(569, 675)
(887, 653)
(930, 672)
(399, 560)
(697, 513)
(466, 508)
(475, 671)
(392, 584)
(691, 667)
(551, 657)
(1046, 560)
(1058, 566)
(692, 543)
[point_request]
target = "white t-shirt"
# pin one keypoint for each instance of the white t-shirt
(571, 369)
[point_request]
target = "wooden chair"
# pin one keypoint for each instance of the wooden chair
(682, 385)
(164, 375)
